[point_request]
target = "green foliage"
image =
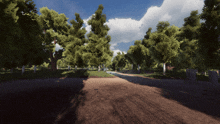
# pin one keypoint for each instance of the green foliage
(165, 45)
(56, 29)
(162, 26)
(208, 45)
(119, 61)
(188, 37)
(17, 33)
(98, 51)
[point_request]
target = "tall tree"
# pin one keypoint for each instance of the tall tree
(75, 48)
(25, 38)
(31, 45)
(119, 61)
(208, 43)
(56, 28)
(188, 38)
(10, 31)
(98, 45)
(122, 61)
(138, 53)
(131, 60)
(166, 46)
(149, 62)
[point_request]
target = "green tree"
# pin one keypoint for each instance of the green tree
(98, 51)
(24, 42)
(10, 31)
(120, 61)
(138, 53)
(208, 43)
(148, 61)
(130, 59)
(75, 48)
(31, 45)
(166, 46)
(55, 28)
(188, 38)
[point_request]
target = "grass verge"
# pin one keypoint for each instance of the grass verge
(46, 73)
(170, 74)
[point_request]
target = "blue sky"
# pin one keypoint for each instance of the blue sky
(128, 20)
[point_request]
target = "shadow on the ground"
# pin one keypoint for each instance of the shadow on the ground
(43, 74)
(43, 105)
(180, 92)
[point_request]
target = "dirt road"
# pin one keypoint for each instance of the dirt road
(120, 100)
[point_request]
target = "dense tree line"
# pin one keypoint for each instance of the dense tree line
(195, 45)
(26, 37)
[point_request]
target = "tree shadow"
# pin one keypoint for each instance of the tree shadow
(194, 96)
(57, 102)
(43, 74)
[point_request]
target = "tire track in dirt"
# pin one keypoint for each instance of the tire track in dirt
(125, 113)
(153, 111)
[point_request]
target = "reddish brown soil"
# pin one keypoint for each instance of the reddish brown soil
(131, 100)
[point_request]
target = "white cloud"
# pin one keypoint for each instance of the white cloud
(127, 30)
(165, 17)
(116, 51)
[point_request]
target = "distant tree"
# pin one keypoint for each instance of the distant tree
(131, 60)
(138, 52)
(98, 51)
(119, 61)
(188, 38)
(148, 61)
(166, 46)
(75, 47)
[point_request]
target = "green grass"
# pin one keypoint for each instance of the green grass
(158, 74)
(46, 73)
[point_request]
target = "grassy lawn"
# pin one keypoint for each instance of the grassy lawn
(46, 73)
(158, 74)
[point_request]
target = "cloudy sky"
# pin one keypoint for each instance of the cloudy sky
(128, 20)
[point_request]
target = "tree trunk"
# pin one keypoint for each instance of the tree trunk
(164, 68)
(53, 65)
(35, 68)
(138, 68)
(132, 67)
(75, 67)
(54, 61)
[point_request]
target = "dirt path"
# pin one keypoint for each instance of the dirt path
(124, 100)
